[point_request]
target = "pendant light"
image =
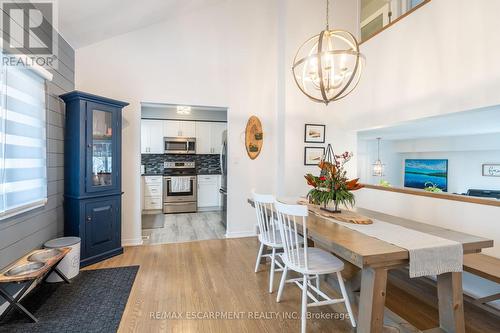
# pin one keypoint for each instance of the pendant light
(328, 66)
(378, 166)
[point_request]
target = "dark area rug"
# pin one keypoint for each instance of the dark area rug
(93, 302)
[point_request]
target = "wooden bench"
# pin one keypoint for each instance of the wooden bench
(488, 268)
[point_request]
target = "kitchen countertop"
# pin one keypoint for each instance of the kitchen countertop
(208, 173)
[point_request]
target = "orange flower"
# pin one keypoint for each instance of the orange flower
(353, 185)
(310, 180)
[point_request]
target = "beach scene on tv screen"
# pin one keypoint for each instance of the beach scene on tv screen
(423, 173)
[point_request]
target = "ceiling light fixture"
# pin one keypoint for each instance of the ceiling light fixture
(184, 110)
(328, 66)
(378, 166)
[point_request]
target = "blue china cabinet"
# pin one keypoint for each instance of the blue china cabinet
(92, 174)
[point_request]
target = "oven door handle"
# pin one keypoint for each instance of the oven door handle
(170, 177)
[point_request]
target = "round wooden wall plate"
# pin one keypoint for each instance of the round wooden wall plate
(254, 137)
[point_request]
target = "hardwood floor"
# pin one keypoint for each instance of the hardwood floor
(420, 305)
(210, 278)
(190, 281)
(179, 228)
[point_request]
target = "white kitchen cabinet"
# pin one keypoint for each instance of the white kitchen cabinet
(174, 128)
(152, 192)
(170, 128)
(152, 136)
(209, 137)
(188, 128)
(208, 191)
(203, 138)
(152, 203)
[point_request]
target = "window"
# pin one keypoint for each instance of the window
(23, 152)
(415, 3)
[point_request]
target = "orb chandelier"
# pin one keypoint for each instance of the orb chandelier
(328, 66)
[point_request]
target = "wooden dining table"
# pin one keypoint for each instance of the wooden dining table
(375, 257)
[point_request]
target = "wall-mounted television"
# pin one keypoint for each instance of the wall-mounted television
(419, 172)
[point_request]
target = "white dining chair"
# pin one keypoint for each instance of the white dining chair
(308, 261)
(269, 234)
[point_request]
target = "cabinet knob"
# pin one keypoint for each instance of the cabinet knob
(89, 219)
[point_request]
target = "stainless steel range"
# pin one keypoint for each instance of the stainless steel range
(179, 187)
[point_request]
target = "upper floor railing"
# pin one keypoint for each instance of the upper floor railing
(378, 15)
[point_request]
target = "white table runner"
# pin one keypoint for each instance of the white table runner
(429, 254)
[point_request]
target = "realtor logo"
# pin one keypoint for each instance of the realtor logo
(29, 30)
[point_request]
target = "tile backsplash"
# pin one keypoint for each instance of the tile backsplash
(206, 164)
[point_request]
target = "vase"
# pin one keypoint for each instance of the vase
(334, 210)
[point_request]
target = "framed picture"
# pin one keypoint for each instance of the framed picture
(313, 155)
(314, 133)
(491, 170)
(420, 173)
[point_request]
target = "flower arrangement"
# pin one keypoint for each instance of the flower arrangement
(333, 185)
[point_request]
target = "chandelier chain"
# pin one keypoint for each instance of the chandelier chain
(327, 11)
(378, 148)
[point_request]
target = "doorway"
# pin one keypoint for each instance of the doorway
(183, 191)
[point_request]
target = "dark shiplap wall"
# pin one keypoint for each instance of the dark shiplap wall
(22, 233)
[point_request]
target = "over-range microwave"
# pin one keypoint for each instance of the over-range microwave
(179, 145)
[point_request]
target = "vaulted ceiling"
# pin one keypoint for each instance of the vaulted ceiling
(87, 22)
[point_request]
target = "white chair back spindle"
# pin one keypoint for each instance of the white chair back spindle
(295, 253)
(266, 217)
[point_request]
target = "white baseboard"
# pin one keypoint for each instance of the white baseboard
(132, 242)
(241, 234)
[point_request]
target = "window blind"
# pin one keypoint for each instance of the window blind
(23, 152)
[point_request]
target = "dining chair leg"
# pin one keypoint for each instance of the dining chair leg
(304, 304)
(346, 299)
(261, 249)
(271, 273)
(282, 284)
(317, 283)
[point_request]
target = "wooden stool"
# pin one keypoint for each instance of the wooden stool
(29, 279)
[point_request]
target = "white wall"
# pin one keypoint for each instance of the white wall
(470, 218)
(440, 59)
(223, 55)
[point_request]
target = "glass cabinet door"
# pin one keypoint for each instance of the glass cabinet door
(101, 173)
